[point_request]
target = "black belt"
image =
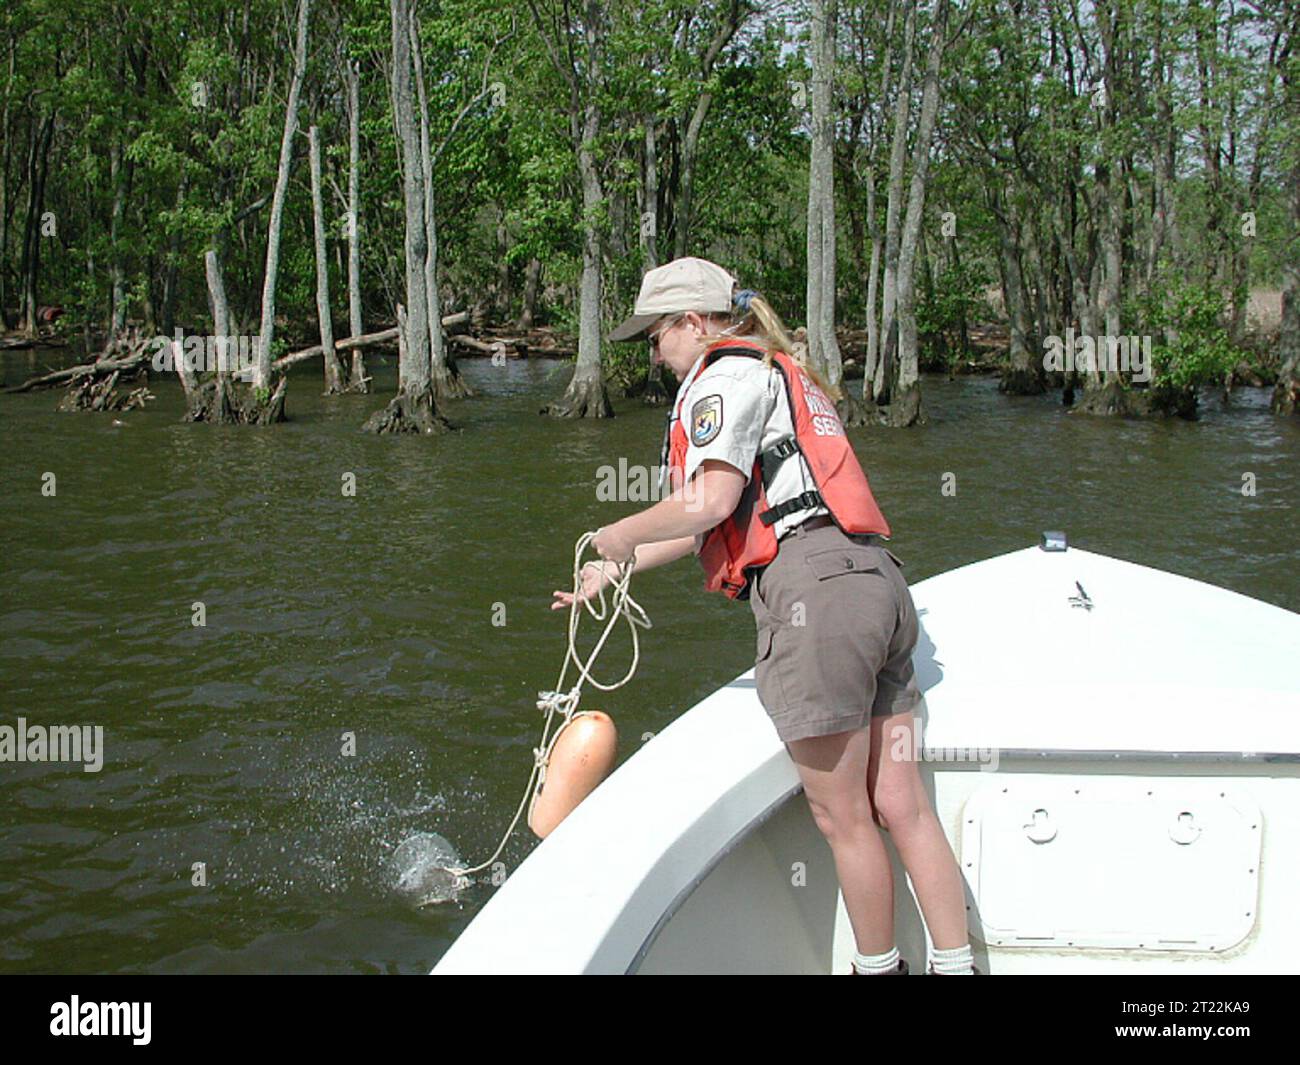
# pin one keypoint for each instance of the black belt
(820, 521)
(817, 521)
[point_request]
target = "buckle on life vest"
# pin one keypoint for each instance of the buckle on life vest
(771, 459)
(803, 501)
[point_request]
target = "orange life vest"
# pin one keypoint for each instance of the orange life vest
(746, 538)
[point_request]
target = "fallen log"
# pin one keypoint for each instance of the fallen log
(450, 322)
(513, 348)
(477, 345)
(346, 344)
(104, 366)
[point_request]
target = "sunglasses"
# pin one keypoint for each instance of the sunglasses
(655, 336)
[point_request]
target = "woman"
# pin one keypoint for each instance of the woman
(767, 492)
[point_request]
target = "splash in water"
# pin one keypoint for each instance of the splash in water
(423, 870)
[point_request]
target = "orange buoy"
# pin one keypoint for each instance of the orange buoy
(581, 758)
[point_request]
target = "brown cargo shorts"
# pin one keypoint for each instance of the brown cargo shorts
(836, 631)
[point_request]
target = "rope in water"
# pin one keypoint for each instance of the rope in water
(566, 702)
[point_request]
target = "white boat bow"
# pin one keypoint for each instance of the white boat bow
(1114, 753)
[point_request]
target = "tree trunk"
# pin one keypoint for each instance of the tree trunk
(414, 376)
(414, 410)
(357, 380)
(333, 368)
(1286, 393)
(1211, 142)
(656, 394)
(171, 275)
(870, 366)
(224, 405)
(823, 349)
(407, 412)
(893, 207)
(1104, 389)
(1025, 377)
(690, 143)
(4, 189)
(905, 400)
(586, 396)
(120, 177)
(216, 399)
(532, 282)
(38, 167)
(220, 311)
(503, 295)
(262, 365)
(1164, 167)
(649, 221)
(872, 363)
(445, 377)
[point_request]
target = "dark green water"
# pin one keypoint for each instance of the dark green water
(373, 615)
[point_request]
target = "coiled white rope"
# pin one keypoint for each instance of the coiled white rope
(566, 702)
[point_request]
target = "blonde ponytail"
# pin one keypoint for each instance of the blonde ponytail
(755, 319)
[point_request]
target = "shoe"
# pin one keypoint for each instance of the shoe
(902, 970)
(975, 970)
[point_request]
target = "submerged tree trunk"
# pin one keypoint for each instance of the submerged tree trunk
(262, 365)
(414, 366)
(872, 363)
(408, 412)
(1105, 391)
(223, 407)
(445, 377)
(905, 398)
(333, 368)
(216, 399)
(586, 396)
(414, 410)
(893, 210)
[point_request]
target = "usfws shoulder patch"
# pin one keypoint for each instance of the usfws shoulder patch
(706, 420)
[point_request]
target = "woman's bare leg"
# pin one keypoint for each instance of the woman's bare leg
(832, 769)
(903, 808)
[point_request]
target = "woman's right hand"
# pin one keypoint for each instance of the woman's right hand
(595, 576)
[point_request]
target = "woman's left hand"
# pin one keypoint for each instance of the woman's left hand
(611, 544)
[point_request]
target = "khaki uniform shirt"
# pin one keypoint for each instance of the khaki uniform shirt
(733, 409)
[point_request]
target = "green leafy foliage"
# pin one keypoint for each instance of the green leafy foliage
(1200, 352)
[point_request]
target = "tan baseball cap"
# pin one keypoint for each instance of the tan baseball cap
(686, 284)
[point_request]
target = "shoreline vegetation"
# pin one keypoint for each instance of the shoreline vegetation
(92, 384)
(917, 185)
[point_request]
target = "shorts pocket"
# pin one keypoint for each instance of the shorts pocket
(767, 671)
(837, 561)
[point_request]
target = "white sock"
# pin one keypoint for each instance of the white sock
(956, 962)
(876, 964)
